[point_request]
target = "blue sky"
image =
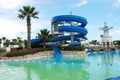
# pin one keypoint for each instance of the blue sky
(95, 11)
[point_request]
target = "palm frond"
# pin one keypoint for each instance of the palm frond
(32, 9)
(22, 12)
(34, 15)
(26, 9)
(21, 16)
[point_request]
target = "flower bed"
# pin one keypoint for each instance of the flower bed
(15, 52)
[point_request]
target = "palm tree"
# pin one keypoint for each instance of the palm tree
(6, 43)
(19, 42)
(14, 41)
(4, 39)
(84, 38)
(0, 42)
(44, 35)
(28, 13)
(95, 42)
(25, 43)
(116, 42)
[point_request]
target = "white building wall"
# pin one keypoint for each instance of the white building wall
(107, 41)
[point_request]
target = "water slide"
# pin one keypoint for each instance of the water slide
(77, 25)
(57, 53)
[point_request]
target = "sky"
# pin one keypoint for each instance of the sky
(95, 11)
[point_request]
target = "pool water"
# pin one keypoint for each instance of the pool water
(98, 66)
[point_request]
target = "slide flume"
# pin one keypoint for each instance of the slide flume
(75, 24)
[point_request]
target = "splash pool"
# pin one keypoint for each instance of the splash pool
(98, 66)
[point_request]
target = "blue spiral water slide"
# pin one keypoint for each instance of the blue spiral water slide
(79, 29)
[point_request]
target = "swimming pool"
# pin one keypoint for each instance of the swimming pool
(98, 66)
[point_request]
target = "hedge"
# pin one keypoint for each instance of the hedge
(2, 50)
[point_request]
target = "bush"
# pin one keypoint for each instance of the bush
(2, 50)
(19, 48)
(49, 48)
(22, 52)
(72, 48)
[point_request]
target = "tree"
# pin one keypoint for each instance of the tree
(44, 35)
(0, 42)
(116, 42)
(25, 43)
(84, 38)
(14, 41)
(95, 42)
(19, 42)
(4, 39)
(28, 13)
(6, 43)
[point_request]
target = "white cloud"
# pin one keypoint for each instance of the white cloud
(16, 28)
(116, 34)
(11, 29)
(12, 4)
(117, 3)
(81, 3)
(37, 26)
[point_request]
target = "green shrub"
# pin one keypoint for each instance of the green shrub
(2, 50)
(49, 48)
(19, 48)
(72, 48)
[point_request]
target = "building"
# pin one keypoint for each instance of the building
(106, 38)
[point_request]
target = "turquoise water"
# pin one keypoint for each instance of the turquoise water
(98, 66)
